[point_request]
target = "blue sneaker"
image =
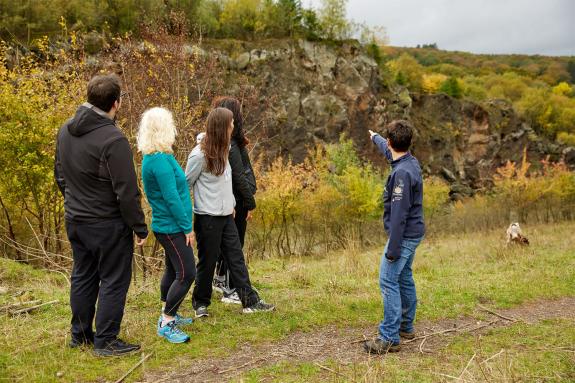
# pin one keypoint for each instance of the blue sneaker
(172, 333)
(181, 321)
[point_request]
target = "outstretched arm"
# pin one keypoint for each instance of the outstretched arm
(381, 144)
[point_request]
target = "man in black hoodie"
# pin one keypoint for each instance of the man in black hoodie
(95, 172)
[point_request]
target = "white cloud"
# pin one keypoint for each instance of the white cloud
(486, 26)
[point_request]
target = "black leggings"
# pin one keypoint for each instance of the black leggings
(241, 224)
(179, 273)
(215, 235)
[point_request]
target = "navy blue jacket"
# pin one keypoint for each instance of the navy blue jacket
(402, 200)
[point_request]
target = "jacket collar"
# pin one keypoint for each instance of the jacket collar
(401, 159)
(97, 110)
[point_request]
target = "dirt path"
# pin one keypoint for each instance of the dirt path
(344, 345)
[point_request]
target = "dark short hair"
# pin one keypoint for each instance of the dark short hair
(400, 133)
(103, 91)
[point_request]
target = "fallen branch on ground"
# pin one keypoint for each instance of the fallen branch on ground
(493, 356)
(144, 358)
(435, 333)
(452, 377)
(450, 330)
(497, 314)
(421, 345)
(28, 309)
(328, 369)
(467, 365)
(19, 304)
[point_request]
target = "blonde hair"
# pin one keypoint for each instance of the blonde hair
(157, 131)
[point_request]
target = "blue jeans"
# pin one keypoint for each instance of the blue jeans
(398, 291)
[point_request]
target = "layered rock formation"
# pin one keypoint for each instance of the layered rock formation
(322, 91)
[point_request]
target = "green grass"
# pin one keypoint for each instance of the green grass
(452, 274)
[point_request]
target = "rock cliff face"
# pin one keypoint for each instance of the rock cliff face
(315, 92)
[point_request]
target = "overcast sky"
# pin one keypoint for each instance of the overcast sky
(482, 26)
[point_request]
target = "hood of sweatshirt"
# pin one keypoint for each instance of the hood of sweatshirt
(87, 119)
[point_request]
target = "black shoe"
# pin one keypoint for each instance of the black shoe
(117, 347)
(407, 335)
(79, 342)
(202, 311)
(380, 346)
(259, 306)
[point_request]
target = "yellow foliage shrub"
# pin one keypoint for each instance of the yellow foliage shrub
(308, 207)
(432, 82)
(547, 196)
(34, 105)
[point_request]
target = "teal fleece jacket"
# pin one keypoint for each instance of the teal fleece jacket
(168, 194)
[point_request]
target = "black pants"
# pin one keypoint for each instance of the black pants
(179, 273)
(241, 224)
(102, 270)
(217, 235)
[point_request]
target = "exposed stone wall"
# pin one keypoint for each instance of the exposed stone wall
(324, 90)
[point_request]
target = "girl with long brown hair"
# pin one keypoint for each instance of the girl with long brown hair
(244, 188)
(209, 176)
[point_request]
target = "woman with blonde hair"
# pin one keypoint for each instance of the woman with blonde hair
(168, 194)
(209, 175)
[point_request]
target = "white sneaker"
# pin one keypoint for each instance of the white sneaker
(232, 298)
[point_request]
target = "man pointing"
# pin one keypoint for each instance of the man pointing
(403, 222)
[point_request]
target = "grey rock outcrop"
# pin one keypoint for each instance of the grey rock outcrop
(326, 90)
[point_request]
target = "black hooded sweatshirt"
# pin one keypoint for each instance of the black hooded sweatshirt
(243, 178)
(94, 170)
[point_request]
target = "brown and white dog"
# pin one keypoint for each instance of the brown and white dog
(514, 235)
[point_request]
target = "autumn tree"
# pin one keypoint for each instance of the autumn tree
(451, 87)
(432, 82)
(333, 21)
(407, 71)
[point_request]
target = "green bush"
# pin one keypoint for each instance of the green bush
(435, 199)
(321, 204)
(451, 87)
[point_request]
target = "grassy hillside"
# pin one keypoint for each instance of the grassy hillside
(540, 88)
(453, 275)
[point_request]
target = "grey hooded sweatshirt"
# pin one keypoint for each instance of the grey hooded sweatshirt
(213, 195)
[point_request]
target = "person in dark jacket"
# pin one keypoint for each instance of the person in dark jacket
(94, 170)
(403, 222)
(244, 188)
